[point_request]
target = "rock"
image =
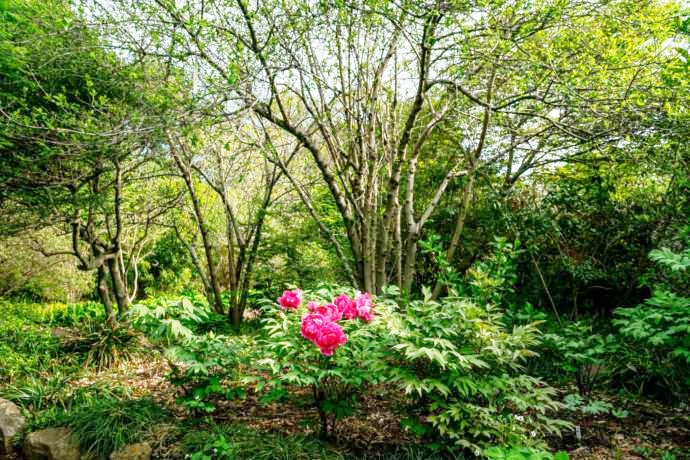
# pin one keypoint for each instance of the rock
(139, 451)
(51, 444)
(11, 423)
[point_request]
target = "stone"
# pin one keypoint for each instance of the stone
(139, 451)
(51, 444)
(11, 423)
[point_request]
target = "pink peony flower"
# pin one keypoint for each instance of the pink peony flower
(365, 306)
(311, 325)
(312, 305)
(346, 305)
(329, 337)
(330, 311)
(290, 299)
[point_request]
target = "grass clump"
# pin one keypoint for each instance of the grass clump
(103, 426)
(103, 345)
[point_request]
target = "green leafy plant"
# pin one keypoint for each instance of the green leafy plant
(657, 332)
(173, 320)
(464, 370)
(492, 279)
(521, 453)
(574, 402)
(573, 351)
(238, 442)
(206, 367)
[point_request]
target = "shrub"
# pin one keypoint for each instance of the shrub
(521, 453)
(333, 345)
(575, 352)
(657, 332)
(173, 321)
(464, 370)
(206, 367)
(204, 364)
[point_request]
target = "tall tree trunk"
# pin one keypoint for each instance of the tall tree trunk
(203, 230)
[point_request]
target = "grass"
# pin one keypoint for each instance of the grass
(237, 442)
(103, 345)
(104, 425)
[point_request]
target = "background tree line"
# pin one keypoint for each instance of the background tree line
(232, 147)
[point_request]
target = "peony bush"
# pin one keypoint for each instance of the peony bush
(461, 367)
(329, 341)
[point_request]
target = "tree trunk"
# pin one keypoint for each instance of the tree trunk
(104, 294)
(459, 227)
(203, 230)
(119, 286)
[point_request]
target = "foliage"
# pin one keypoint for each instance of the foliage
(521, 453)
(657, 332)
(465, 371)
(493, 279)
(206, 367)
(237, 442)
(28, 349)
(574, 402)
(29, 275)
(573, 351)
(173, 320)
(204, 362)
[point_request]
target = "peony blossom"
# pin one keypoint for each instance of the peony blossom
(290, 299)
(311, 324)
(346, 305)
(330, 311)
(365, 306)
(329, 337)
(312, 305)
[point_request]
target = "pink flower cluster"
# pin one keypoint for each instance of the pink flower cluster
(320, 326)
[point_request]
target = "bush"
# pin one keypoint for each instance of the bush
(657, 332)
(574, 352)
(521, 453)
(206, 367)
(465, 371)
(171, 321)
(204, 364)
(336, 369)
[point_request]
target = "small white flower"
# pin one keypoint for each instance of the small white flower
(519, 418)
(533, 434)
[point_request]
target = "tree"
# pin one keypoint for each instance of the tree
(75, 135)
(223, 159)
(363, 87)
